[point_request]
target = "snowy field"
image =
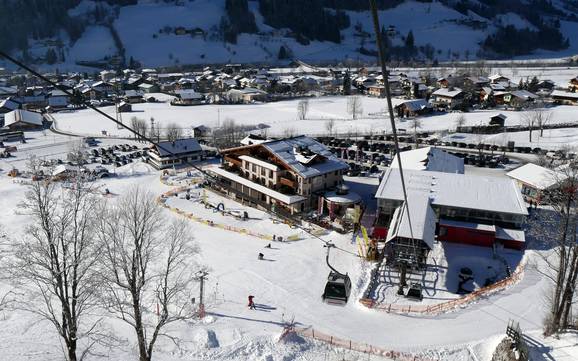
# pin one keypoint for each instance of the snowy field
(287, 285)
(282, 119)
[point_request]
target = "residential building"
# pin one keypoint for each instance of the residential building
(412, 108)
(563, 97)
(23, 120)
(247, 95)
(174, 154)
(448, 97)
(287, 175)
(535, 181)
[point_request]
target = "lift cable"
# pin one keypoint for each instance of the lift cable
(139, 135)
(385, 75)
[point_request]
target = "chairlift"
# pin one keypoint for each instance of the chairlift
(415, 292)
(338, 286)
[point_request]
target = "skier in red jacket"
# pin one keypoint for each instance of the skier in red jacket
(251, 304)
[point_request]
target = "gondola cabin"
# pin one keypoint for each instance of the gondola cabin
(337, 288)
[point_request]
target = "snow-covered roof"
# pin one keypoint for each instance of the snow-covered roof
(564, 94)
(178, 147)
(538, 177)
(23, 116)
(491, 194)
(430, 159)
(448, 92)
(421, 216)
(284, 149)
(288, 199)
(495, 77)
(186, 94)
(468, 225)
(510, 234)
(252, 139)
(416, 104)
(349, 198)
(524, 94)
(9, 104)
(133, 93)
(259, 162)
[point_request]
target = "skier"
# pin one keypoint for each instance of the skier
(251, 304)
(268, 246)
(260, 256)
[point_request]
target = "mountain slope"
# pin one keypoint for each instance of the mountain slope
(170, 32)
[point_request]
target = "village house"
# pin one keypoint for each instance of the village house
(107, 75)
(6, 106)
(412, 108)
(148, 88)
(169, 154)
(563, 97)
(187, 98)
(498, 120)
(376, 91)
(287, 175)
(58, 99)
(448, 97)
(246, 96)
(536, 181)
(519, 98)
(20, 119)
(133, 97)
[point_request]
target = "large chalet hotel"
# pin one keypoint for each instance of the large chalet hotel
(287, 175)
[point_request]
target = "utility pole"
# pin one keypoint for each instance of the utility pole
(202, 277)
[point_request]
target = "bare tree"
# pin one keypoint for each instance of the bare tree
(302, 109)
(77, 152)
(538, 117)
(148, 267)
(139, 125)
(329, 126)
(54, 265)
(354, 107)
(460, 121)
(229, 134)
(415, 123)
(173, 132)
(557, 229)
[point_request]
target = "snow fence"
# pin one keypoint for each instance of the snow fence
(360, 347)
(162, 201)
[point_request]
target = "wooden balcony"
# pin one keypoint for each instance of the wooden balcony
(287, 182)
(233, 161)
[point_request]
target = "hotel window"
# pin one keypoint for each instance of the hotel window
(254, 168)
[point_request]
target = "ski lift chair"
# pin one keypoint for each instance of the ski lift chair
(337, 288)
(415, 292)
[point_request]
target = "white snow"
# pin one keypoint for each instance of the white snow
(291, 282)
